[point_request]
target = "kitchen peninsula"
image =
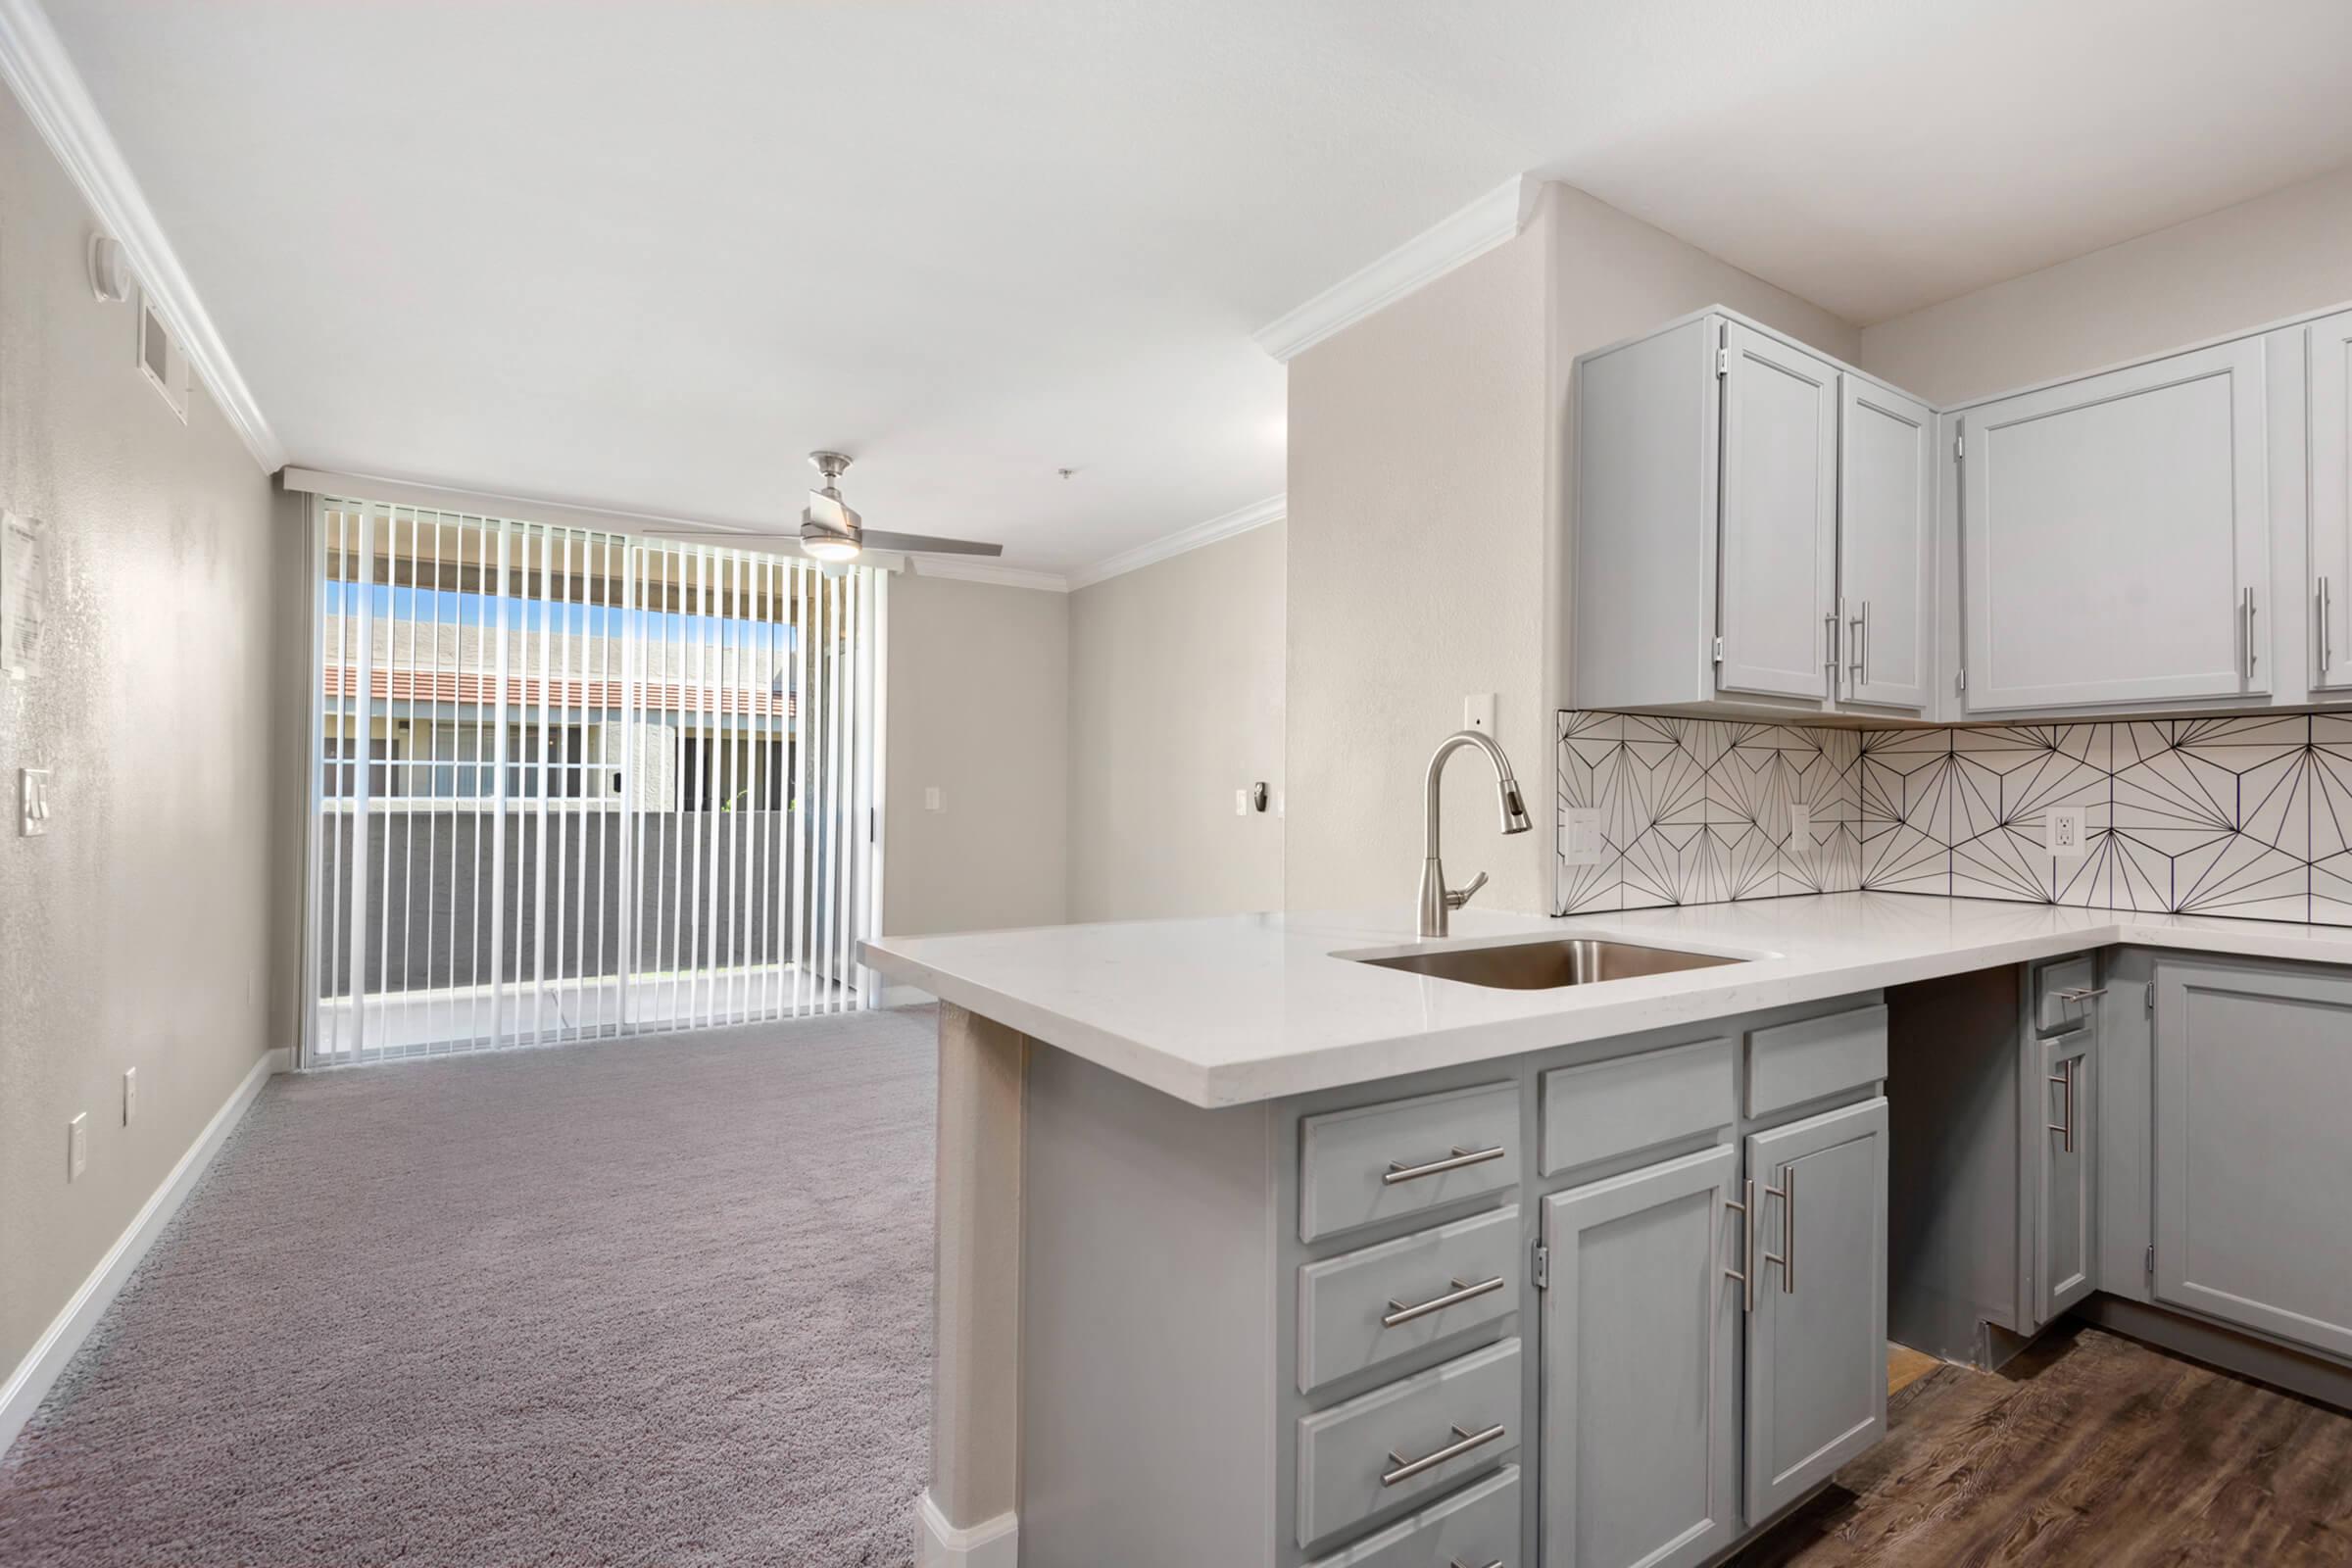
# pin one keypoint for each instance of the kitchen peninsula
(1254, 1250)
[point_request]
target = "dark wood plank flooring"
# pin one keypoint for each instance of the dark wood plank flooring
(2088, 1449)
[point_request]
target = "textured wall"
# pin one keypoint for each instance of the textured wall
(979, 707)
(2245, 816)
(1176, 692)
(138, 933)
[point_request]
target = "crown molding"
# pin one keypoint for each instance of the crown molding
(34, 62)
(964, 569)
(1492, 220)
(1255, 516)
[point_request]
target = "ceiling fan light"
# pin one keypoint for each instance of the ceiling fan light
(829, 548)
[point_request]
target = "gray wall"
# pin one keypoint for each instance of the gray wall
(2275, 256)
(136, 934)
(1176, 692)
(979, 707)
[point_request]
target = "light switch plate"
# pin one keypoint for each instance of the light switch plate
(1585, 844)
(130, 1094)
(1477, 713)
(1800, 830)
(932, 800)
(77, 1146)
(2062, 832)
(33, 802)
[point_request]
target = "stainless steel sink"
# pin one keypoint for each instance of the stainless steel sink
(1547, 965)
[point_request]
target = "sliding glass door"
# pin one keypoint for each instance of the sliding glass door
(571, 785)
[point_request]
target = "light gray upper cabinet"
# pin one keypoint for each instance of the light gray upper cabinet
(2329, 347)
(1640, 1404)
(1779, 544)
(1817, 1338)
(2115, 537)
(1733, 491)
(2253, 1072)
(1885, 544)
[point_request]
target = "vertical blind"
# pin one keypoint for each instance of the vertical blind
(571, 785)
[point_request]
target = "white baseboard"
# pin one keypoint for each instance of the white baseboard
(32, 1377)
(990, 1544)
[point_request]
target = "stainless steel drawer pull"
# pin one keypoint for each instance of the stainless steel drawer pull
(1457, 1563)
(1463, 1291)
(2081, 992)
(1786, 1255)
(1746, 1274)
(1407, 1469)
(1399, 1171)
(2064, 1078)
(2248, 613)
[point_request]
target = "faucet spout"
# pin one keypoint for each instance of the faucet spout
(1438, 901)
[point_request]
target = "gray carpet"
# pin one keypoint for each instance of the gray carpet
(644, 1302)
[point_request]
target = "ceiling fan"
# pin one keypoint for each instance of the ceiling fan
(830, 532)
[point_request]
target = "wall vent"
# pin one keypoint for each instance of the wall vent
(159, 358)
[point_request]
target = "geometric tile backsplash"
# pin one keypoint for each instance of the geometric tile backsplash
(2233, 817)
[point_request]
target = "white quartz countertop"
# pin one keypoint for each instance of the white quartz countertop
(1234, 1009)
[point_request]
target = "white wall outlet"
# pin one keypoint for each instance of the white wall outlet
(1477, 713)
(1586, 845)
(77, 1146)
(130, 1093)
(2062, 831)
(33, 800)
(1800, 830)
(933, 800)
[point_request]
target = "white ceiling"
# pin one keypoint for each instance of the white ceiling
(645, 255)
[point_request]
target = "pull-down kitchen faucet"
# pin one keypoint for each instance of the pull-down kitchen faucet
(1437, 899)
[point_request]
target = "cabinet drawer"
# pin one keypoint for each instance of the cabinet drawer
(2060, 1003)
(1472, 1527)
(1370, 1453)
(1343, 1301)
(1627, 1104)
(1791, 1064)
(1380, 1162)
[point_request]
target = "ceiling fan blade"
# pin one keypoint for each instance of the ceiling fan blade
(927, 544)
(774, 543)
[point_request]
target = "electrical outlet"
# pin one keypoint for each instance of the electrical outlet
(2062, 831)
(1477, 713)
(1586, 845)
(77, 1146)
(1800, 830)
(130, 1093)
(933, 800)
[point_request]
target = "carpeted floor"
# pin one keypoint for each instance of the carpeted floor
(658, 1301)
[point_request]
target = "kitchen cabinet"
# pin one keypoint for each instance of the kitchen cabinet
(2065, 1166)
(1754, 529)
(1817, 1338)
(2115, 537)
(2253, 1069)
(1640, 1409)
(1779, 520)
(2328, 346)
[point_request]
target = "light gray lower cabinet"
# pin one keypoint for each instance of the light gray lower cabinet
(2253, 1164)
(2065, 1172)
(1640, 1404)
(1817, 1338)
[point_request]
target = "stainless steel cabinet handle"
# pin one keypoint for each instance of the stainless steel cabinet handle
(1828, 638)
(1856, 625)
(1786, 1255)
(1463, 1291)
(1457, 1563)
(1399, 1171)
(2080, 993)
(2064, 1078)
(2249, 623)
(2327, 632)
(1746, 1274)
(1407, 1469)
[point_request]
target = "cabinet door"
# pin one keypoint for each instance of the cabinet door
(2253, 1072)
(1817, 1338)
(2063, 1169)
(1777, 560)
(1638, 1422)
(2330, 370)
(2115, 537)
(1886, 543)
